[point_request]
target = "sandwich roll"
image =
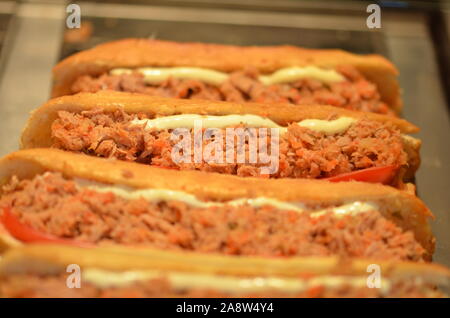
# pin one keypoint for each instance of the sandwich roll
(266, 140)
(52, 196)
(237, 74)
(49, 271)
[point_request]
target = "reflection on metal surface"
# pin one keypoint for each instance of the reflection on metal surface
(235, 17)
(26, 76)
(403, 36)
(107, 29)
(112, 22)
(7, 10)
(425, 106)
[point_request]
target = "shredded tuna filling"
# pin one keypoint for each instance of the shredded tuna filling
(355, 92)
(303, 153)
(55, 286)
(53, 205)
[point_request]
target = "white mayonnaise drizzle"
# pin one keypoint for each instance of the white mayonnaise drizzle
(292, 74)
(207, 121)
(188, 121)
(231, 284)
(155, 75)
(159, 195)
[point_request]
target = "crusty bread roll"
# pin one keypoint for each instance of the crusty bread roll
(134, 53)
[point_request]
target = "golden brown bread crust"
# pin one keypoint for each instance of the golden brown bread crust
(37, 132)
(132, 53)
(404, 209)
(53, 259)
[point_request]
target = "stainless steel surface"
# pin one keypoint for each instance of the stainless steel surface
(228, 16)
(26, 77)
(403, 38)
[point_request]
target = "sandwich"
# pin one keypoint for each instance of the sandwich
(264, 140)
(52, 196)
(62, 271)
(277, 74)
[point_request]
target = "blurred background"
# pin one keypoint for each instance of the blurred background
(413, 34)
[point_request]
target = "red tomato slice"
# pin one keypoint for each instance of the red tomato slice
(373, 175)
(25, 233)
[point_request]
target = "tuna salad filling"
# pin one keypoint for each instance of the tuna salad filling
(303, 153)
(60, 208)
(355, 92)
(27, 286)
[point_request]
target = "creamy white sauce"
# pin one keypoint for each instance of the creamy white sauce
(207, 121)
(231, 284)
(155, 75)
(292, 74)
(160, 195)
